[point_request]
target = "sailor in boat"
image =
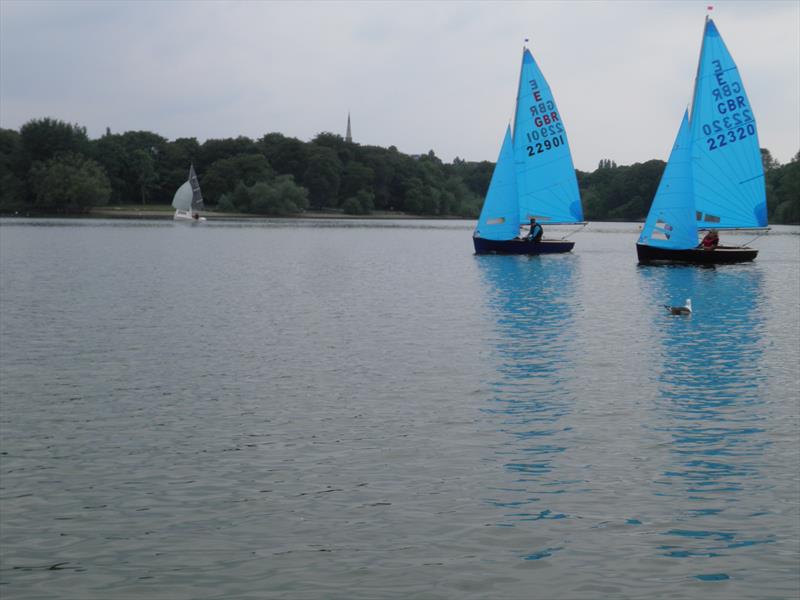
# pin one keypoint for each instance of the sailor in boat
(196, 216)
(710, 241)
(536, 231)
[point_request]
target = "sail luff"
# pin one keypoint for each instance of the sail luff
(516, 102)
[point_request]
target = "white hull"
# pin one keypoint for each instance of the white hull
(185, 215)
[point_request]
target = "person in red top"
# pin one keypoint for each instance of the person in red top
(710, 241)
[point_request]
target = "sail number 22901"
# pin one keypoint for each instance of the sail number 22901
(540, 147)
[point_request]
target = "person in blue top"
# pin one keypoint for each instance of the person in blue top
(536, 232)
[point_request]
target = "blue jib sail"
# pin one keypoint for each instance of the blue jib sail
(671, 220)
(728, 175)
(546, 181)
(499, 218)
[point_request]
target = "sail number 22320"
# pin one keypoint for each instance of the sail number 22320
(729, 104)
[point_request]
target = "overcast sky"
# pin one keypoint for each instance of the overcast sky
(416, 75)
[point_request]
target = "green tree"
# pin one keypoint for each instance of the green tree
(414, 199)
(12, 186)
(69, 183)
(241, 197)
(218, 149)
(356, 177)
(785, 198)
(288, 156)
(132, 161)
(322, 177)
(280, 197)
(224, 175)
(768, 161)
(42, 139)
(173, 165)
(360, 204)
(344, 150)
(143, 166)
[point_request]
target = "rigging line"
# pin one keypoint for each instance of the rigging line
(576, 231)
(763, 233)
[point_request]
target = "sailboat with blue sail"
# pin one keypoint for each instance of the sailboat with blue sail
(534, 177)
(714, 178)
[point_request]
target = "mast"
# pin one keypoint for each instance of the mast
(519, 79)
(699, 63)
(348, 136)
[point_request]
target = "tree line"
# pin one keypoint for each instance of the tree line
(52, 167)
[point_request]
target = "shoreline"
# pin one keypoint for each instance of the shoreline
(166, 213)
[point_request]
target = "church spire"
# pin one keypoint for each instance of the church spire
(349, 136)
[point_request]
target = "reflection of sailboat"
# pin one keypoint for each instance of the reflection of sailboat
(531, 394)
(714, 176)
(188, 199)
(534, 176)
(711, 386)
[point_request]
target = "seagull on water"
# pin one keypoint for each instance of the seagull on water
(680, 310)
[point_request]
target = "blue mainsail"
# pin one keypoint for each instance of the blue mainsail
(546, 181)
(727, 172)
(499, 218)
(671, 220)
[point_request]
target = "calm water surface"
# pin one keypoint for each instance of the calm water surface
(367, 410)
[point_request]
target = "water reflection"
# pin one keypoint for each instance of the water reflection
(530, 303)
(710, 392)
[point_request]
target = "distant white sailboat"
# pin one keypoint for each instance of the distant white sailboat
(188, 200)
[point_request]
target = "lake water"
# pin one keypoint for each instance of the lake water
(366, 409)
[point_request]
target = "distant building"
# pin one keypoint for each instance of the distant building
(348, 136)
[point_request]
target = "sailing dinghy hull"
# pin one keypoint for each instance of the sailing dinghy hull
(185, 215)
(722, 255)
(484, 246)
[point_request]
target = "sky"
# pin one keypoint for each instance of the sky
(421, 76)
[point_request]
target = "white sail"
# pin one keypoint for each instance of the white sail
(183, 197)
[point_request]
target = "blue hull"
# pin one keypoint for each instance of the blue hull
(483, 246)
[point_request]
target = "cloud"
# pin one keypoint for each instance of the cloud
(417, 75)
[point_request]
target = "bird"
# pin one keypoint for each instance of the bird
(680, 310)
